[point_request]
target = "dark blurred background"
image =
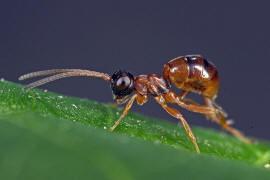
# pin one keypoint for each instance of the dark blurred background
(141, 36)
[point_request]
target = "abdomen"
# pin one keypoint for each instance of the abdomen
(193, 73)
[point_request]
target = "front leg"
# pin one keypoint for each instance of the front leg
(127, 108)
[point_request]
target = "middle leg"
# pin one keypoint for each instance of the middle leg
(175, 113)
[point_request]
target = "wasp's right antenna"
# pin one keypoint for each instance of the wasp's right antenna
(45, 73)
(60, 73)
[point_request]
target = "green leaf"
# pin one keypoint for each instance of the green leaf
(44, 135)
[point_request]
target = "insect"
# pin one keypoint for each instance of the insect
(191, 73)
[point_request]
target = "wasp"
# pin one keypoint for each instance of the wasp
(191, 73)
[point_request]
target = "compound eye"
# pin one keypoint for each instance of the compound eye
(123, 83)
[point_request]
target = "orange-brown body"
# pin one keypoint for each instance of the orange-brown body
(191, 73)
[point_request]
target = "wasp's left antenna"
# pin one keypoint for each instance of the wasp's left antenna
(60, 73)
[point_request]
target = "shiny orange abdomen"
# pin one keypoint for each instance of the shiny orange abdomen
(193, 73)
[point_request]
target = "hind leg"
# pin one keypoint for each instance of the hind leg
(183, 95)
(220, 119)
(173, 98)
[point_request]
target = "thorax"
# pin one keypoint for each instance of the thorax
(151, 84)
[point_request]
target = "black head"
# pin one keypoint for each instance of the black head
(122, 84)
